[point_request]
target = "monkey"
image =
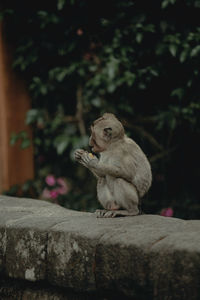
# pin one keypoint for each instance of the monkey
(122, 170)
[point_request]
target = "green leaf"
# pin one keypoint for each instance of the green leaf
(26, 186)
(183, 56)
(172, 123)
(60, 4)
(81, 142)
(23, 134)
(164, 4)
(195, 51)
(61, 147)
(42, 13)
(31, 116)
(173, 49)
(25, 143)
(43, 90)
(111, 87)
(154, 72)
(189, 83)
(37, 141)
(197, 4)
(139, 37)
(179, 92)
(112, 68)
(96, 102)
(14, 138)
(60, 143)
(62, 75)
(93, 68)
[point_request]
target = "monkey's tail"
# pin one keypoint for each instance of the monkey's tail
(140, 207)
(139, 201)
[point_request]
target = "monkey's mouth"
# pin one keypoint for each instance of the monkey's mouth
(95, 146)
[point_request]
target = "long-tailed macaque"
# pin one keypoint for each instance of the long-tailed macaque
(123, 172)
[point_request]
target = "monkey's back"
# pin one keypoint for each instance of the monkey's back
(138, 165)
(131, 163)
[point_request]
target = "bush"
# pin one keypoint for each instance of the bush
(137, 59)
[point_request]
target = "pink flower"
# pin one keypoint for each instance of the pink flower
(60, 187)
(79, 31)
(64, 188)
(167, 212)
(46, 194)
(53, 194)
(50, 180)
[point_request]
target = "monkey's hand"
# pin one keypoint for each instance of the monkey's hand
(86, 159)
(78, 154)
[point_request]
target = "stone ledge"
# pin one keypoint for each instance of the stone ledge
(157, 256)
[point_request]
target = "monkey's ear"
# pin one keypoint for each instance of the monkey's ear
(107, 132)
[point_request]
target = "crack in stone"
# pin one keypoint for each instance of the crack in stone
(157, 241)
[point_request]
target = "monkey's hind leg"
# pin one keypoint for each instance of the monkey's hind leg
(103, 213)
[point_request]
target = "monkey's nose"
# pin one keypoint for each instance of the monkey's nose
(91, 142)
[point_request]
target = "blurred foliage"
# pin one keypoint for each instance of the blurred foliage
(137, 59)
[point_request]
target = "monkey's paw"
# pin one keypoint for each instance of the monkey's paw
(102, 213)
(78, 154)
(85, 158)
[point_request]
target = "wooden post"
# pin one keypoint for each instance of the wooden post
(16, 165)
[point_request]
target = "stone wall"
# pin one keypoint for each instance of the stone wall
(56, 252)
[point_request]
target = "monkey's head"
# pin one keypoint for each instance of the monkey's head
(105, 131)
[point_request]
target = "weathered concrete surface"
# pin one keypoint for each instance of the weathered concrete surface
(24, 290)
(144, 257)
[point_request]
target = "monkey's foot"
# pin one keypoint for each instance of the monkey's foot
(102, 213)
